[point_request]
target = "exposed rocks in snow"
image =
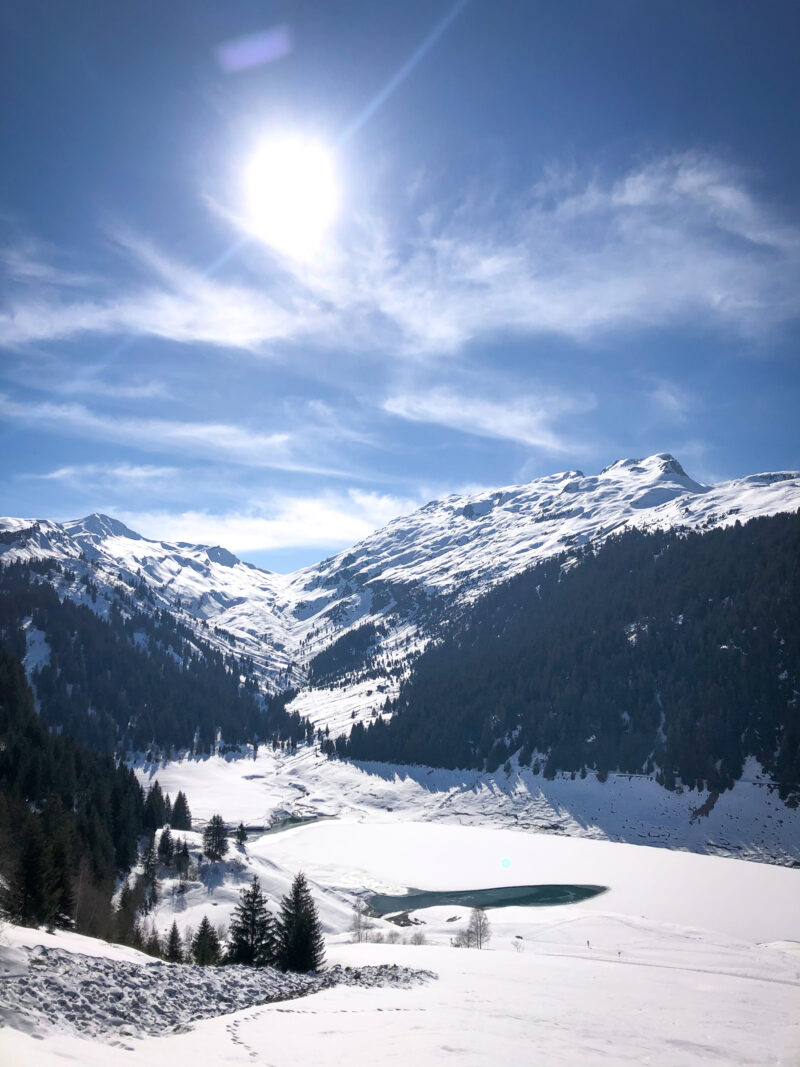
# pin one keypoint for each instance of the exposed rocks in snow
(108, 999)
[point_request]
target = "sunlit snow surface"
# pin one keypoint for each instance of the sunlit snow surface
(749, 821)
(687, 960)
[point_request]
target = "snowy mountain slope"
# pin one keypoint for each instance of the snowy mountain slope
(402, 574)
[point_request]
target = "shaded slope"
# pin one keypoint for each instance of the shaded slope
(679, 653)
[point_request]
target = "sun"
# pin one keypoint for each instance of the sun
(291, 195)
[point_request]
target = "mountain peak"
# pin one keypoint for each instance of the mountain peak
(99, 525)
(660, 463)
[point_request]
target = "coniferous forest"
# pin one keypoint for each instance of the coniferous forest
(70, 818)
(116, 679)
(667, 653)
(148, 679)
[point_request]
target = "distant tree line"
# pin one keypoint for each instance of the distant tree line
(671, 653)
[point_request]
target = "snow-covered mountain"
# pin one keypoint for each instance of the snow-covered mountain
(456, 547)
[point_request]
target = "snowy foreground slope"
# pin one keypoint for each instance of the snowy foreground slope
(455, 547)
(685, 960)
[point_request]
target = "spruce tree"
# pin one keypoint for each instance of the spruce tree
(174, 949)
(300, 944)
(181, 857)
(241, 834)
(166, 847)
(215, 842)
(153, 814)
(252, 929)
(150, 874)
(205, 945)
(181, 816)
(152, 942)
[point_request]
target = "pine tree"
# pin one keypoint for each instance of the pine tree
(241, 834)
(181, 857)
(205, 944)
(149, 879)
(300, 944)
(252, 929)
(215, 842)
(166, 847)
(174, 949)
(153, 814)
(152, 942)
(181, 816)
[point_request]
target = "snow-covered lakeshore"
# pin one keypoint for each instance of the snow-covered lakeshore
(686, 959)
(748, 822)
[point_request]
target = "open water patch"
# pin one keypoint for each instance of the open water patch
(511, 896)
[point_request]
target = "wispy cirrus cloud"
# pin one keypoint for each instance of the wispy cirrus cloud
(679, 239)
(26, 260)
(213, 440)
(107, 476)
(671, 401)
(88, 385)
(526, 420)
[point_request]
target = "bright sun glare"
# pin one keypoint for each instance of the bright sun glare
(291, 195)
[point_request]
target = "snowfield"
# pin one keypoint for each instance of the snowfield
(691, 956)
(686, 959)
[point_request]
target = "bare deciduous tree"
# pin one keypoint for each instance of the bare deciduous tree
(361, 924)
(478, 931)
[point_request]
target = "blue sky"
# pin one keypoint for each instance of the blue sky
(567, 232)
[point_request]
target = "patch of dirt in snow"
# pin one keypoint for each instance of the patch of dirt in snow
(113, 999)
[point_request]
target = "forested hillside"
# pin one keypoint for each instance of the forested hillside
(129, 678)
(673, 653)
(70, 819)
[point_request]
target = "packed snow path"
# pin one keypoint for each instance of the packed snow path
(103, 998)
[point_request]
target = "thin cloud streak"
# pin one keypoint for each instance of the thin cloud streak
(671, 401)
(106, 475)
(679, 240)
(217, 441)
(525, 421)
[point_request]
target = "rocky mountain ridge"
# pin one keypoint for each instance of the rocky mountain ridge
(400, 576)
